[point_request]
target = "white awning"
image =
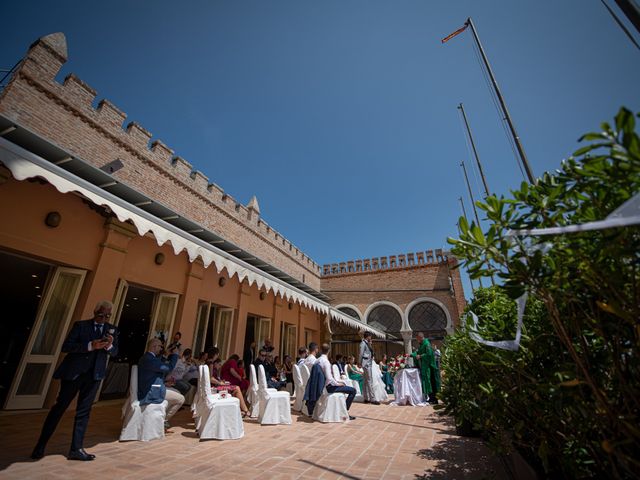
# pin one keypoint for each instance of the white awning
(24, 164)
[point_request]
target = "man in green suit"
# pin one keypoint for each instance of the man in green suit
(425, 360)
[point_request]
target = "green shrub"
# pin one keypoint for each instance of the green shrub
(569, 398)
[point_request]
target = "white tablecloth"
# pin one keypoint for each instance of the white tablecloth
(408, 388)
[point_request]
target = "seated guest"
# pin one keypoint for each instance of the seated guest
(229, 373)
(176, 376)
(272, 372)
(241, 369)
(311, 358)
(302, 355)
(331, 384)
(152, 369)
(287, 367)
(221, 385)
(272, 381)
(213, 353)
(387, 378)
(354, 372)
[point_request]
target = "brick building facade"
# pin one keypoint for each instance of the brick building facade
(96, 210)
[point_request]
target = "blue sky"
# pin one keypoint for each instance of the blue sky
(341, 115)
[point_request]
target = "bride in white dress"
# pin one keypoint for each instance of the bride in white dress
(379, 390)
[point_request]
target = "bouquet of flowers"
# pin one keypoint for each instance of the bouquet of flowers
(398, 362)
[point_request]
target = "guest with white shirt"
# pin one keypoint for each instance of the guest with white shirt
(311, 358)
(331, 384)
(302, 356)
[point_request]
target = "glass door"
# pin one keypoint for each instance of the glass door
(163, 315)
(262, 331)
(41, 355)
(202, 322)
(291, 337)
(119, 300)
(222, 334)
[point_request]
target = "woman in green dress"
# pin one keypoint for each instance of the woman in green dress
(353, 371)
(387, 378)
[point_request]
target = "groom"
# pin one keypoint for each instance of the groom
(366, 360)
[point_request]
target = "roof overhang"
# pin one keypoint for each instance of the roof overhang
(27, 155)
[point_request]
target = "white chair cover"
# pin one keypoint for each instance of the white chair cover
(218, 417)
(141, 422)
(275, 407)
(300, 386)
(253, 394)
(331, 408)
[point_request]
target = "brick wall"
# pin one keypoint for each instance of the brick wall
(399, 286)
(65, 115)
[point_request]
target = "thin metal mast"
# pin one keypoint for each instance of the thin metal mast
(464, 214)
(503, 106)
(475, 151)
(473, 201)
(464, 211)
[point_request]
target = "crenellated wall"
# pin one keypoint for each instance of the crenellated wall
(391, 262)
(65, 114)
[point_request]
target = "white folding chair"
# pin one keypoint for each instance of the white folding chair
(253, 394)
(218, 417)
(332, 407)
(275, 407)
(144, 422)
(299, 386)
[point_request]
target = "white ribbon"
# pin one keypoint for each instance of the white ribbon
(625, 215)
(512, 345)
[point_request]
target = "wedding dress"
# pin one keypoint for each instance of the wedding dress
(379, 390)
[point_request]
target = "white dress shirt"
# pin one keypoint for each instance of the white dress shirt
(310, 361)
(324, 363)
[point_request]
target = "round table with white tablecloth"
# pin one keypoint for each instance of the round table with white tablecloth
(407, 388)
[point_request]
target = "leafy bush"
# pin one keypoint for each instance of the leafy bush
(570, 397)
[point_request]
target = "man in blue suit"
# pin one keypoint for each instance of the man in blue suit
(152, 368)
(88, 347)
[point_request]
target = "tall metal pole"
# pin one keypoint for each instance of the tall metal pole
(475, 151)
(475, 210)
(464, 214)
(464, 211)
(473, 201)
(631, 10)
(507, 117)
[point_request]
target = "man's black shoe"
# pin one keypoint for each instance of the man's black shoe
(366, 401)
(351, 418)
(375, 403)
(80, 455)
(37, 453)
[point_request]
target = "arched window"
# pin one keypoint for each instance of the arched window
(350, 311)
(386, 318)
(427, 317)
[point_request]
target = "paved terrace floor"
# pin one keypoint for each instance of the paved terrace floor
(384, 442)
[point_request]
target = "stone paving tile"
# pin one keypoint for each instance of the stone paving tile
(384, 442)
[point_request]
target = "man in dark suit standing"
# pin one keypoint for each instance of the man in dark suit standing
(88, 347)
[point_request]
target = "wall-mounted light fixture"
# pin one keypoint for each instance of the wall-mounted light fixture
(290, 306)
(263, 295)
(53, 219)
(222, 282)
(159, 258)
